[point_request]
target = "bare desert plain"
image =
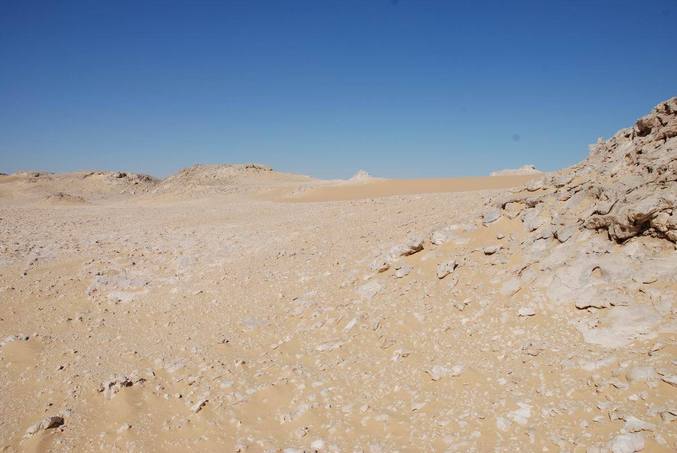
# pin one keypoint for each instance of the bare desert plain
(237, 308)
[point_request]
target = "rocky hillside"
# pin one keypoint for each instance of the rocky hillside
(225, 179)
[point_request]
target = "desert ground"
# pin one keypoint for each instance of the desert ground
(237, 308)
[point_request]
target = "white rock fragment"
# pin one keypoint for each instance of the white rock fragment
(350, 325)
(491, 249)
(439, 237)
(526, 311)
(414, 244)
(45, 424)
(197, 407)
(627, 443)
(491, 216)
(380, 264)
(671, 379)
(634, 425)
(402, 271)
(446, 268)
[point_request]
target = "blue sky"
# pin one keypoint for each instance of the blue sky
(408, 88)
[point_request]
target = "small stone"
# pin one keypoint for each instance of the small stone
(446, 268)
(491, 216)
(381, 264)
(197, 407)
(124, 427)
(526, 311)
(490, 250)
(402, 271)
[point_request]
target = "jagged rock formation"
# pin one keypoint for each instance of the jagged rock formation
(626, 190)
(625, 187)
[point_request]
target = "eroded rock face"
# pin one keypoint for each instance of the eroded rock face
(626, 186)
(602, 231)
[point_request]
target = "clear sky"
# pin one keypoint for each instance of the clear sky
(408, 88)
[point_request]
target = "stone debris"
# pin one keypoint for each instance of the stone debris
(11, 338)
(112, 386)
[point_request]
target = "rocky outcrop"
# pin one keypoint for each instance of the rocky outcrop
(626, 187)
(601, 233)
